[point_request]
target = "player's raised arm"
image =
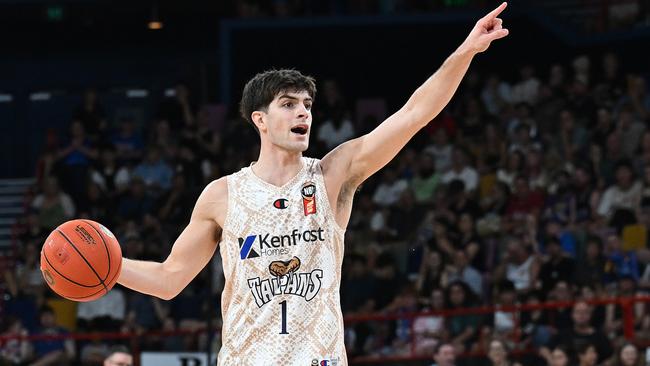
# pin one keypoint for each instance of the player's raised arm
(190, 253)
(363, 156)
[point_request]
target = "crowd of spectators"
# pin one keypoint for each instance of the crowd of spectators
(521, 191)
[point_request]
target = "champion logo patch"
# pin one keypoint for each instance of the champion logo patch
(309, 198)
(281, 203)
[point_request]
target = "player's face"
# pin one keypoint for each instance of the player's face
(288, 121)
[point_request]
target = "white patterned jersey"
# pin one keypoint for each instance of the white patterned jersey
(282, 252)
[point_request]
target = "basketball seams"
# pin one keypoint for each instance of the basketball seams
(105, 247)
(82, 256)
(64, 276)
(80, 298)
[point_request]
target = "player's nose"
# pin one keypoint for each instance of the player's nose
(302, 111)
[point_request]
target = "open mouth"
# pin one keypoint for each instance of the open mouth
(300, 130)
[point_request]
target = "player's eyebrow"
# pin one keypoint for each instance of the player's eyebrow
(287, 96)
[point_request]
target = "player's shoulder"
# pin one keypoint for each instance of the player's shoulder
(213, 201)
(215, 189)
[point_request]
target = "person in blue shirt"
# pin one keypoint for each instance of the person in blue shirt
(52, 351)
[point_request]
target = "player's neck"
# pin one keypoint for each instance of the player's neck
(277, 167)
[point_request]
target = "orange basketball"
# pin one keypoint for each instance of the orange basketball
(81, 260)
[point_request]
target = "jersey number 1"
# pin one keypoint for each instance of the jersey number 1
(283, 304)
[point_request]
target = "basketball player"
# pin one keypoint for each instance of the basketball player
(280, 223)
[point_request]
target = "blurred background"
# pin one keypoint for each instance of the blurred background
(513, 228)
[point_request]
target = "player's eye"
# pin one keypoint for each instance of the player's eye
(288, 105)
(308, 106)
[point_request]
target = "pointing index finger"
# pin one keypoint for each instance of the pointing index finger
(494, 13)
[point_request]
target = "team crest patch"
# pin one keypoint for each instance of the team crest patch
(286, 280)
(309, 198)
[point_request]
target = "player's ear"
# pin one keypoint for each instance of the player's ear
(258, 120)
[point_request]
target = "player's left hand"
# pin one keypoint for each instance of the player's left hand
(486, 30)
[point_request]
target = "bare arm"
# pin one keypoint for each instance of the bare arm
(362, 157)
(190, 253)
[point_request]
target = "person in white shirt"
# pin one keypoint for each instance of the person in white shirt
(462, 171)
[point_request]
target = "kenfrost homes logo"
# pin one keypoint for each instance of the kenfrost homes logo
(265, 245)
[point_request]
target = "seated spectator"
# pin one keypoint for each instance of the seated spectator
(75, 160)
(388, 275)
(429, 330)
(581, 331)
(619, 263)
(430, 274)
(53, 352)
(491, 150)
(586, 194)
(630, 129)
(111, 177)
(495, 94)
(628, 355)
(590, 268)
(144, 313)
(441, 150)
(625, 288)
(621, 201)
(524, 201)
(522, 138)
(127, 142)
(405, 302)
(503, 321)
(336, 129)
(444, 354)
(463, 329)
(93, 352)
(178, 109)
(389, 190)
(527, 88)
(572, 138)
(26, 280)
(135, 203)
(425, 180)
(519, 265)
(14, 351)
(104, 314)
(560, 205)
(460, 169)
(459, 202)
(357, 286)
(53, 206)
(556, 267)
(462, 271)
(561, 355)
(535, 170)
(498, 354)
(154, 172)
(471, 243)
(33, 233)
(119, 356)
(514, 167)
(534, 324)
(92, 116)
(587, 354)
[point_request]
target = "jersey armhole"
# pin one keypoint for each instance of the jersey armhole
(328, 208)
(227, 220)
